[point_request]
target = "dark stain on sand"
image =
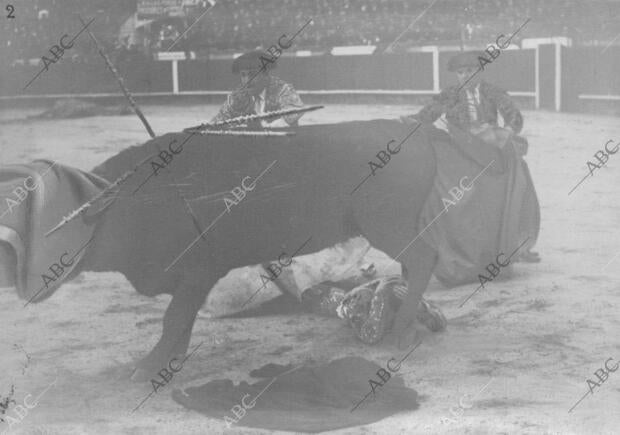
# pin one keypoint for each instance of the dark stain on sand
(134, 309)
(589, 278)
(281, 350)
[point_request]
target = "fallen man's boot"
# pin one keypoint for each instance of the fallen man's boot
(371, 308)
(431, 316)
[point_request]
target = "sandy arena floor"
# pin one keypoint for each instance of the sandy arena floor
(513, 360)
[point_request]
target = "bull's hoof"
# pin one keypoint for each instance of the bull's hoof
(529, 257)
(141, 375)
(432, 317)
(408, 337)
(146, 370)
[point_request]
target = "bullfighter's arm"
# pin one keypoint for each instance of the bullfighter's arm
(233, 107)
(506, 107)
(433, 110)
(289, 99)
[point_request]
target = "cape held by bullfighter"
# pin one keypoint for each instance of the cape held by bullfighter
(300, 188)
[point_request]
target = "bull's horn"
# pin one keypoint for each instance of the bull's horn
(14, 240)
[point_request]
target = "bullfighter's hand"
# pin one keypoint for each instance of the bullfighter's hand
(480, 128)
(506, 135)
(520, 146)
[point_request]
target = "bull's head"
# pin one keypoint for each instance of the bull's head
(37, 196)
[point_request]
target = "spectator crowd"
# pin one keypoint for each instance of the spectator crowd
(247, 24)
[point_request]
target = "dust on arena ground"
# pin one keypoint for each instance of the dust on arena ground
(535, 337)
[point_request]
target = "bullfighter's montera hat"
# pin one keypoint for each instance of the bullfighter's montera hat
(464, 59)
(252, 60)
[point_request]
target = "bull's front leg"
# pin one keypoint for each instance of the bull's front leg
(419, 262)
(177, 329)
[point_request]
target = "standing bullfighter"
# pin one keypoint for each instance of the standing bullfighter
(473, 104)
(259, 92)
(504, 212)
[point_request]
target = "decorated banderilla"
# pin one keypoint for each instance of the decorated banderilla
(246, 118)
(78, 211)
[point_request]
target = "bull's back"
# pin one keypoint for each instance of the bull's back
(341, 197)
(304, 191)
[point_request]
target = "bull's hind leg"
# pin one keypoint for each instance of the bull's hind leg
(177, 329)
(418, 262)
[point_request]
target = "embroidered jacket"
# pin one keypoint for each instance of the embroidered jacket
(279, 95)
(457, 108)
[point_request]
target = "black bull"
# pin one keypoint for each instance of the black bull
(306, 192)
